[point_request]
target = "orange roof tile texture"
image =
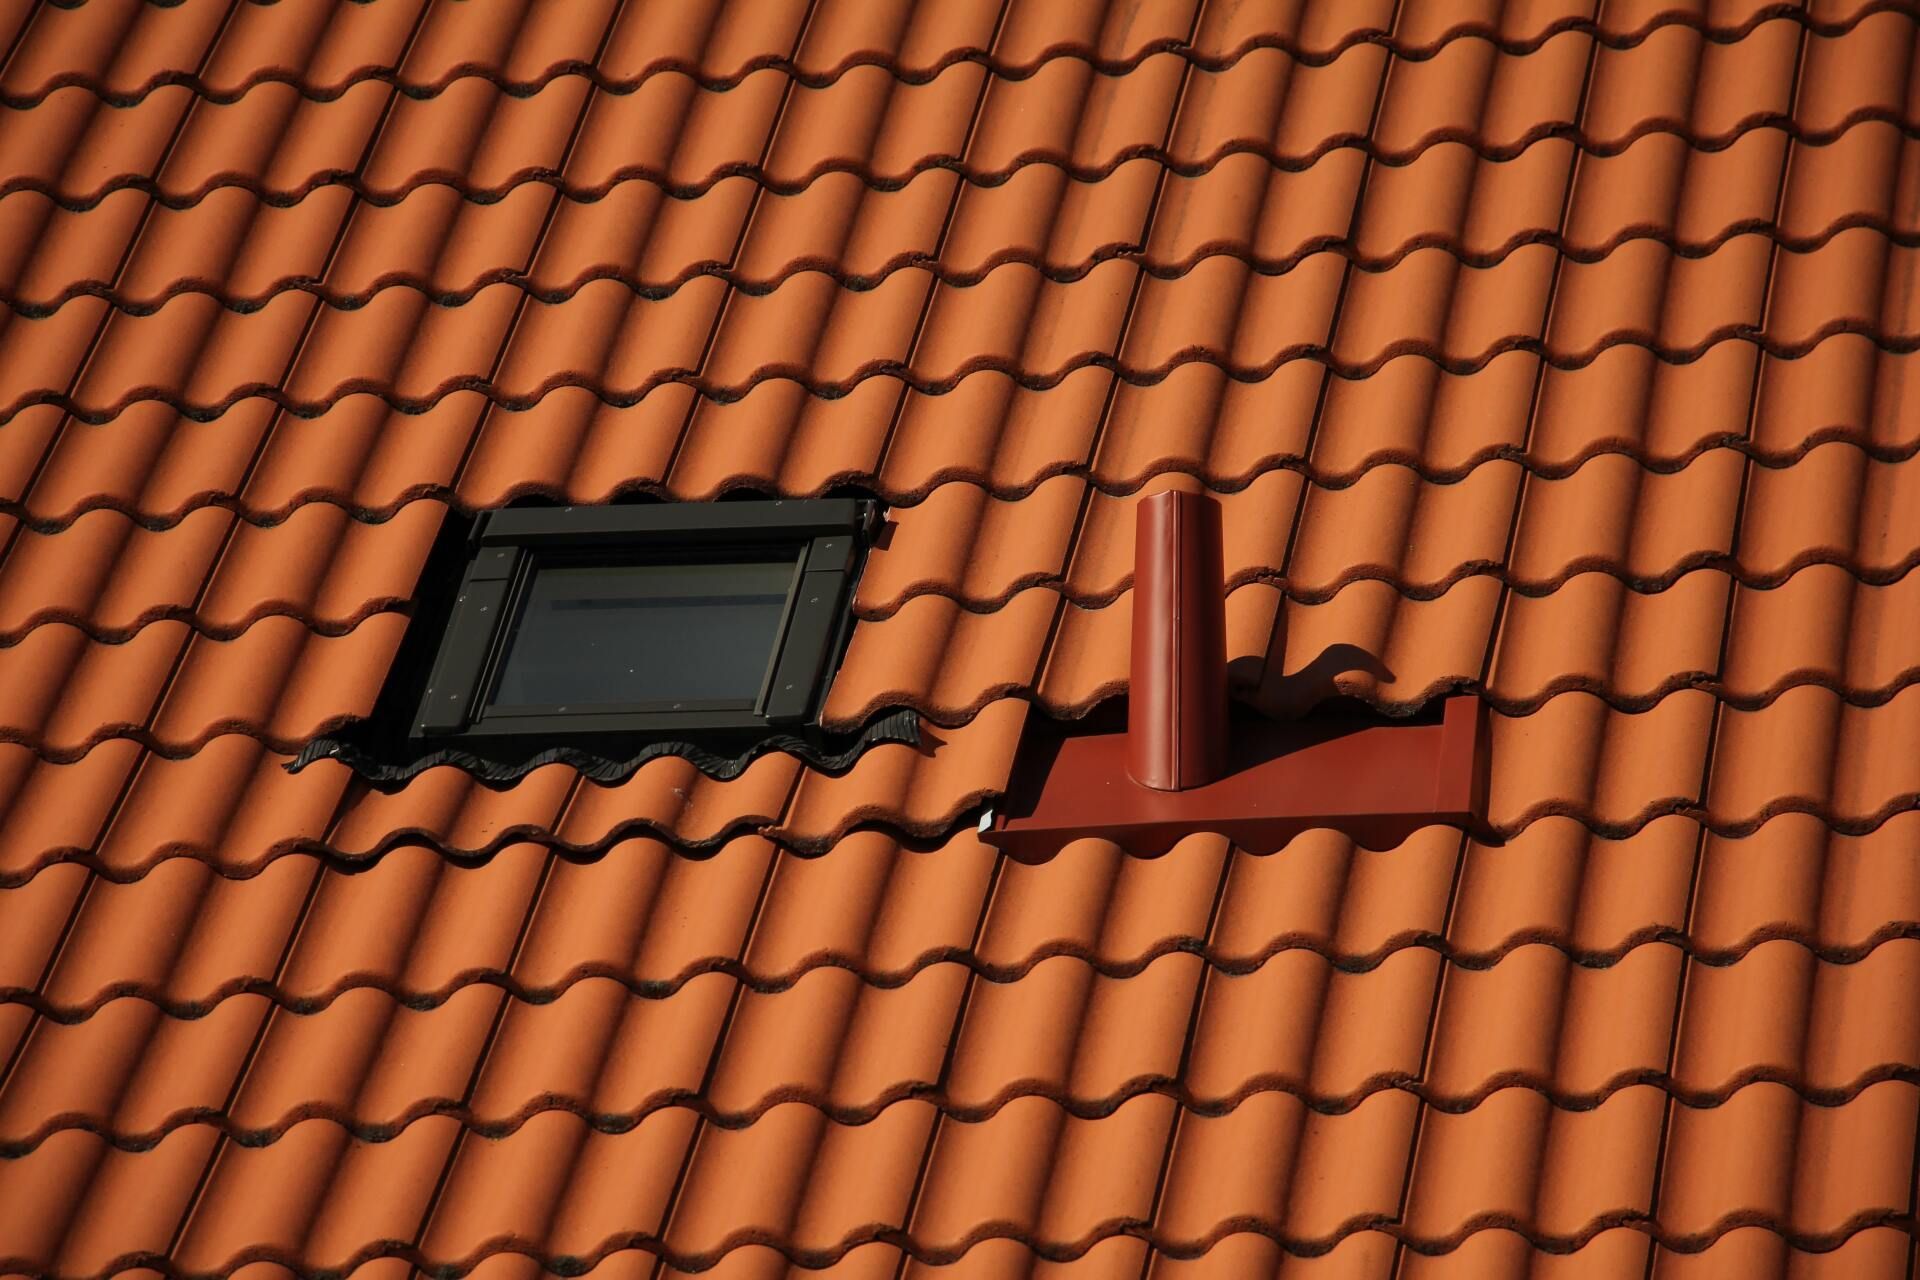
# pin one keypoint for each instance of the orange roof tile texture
(1555, 352)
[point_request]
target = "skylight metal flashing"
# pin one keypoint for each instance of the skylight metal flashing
(606, 636)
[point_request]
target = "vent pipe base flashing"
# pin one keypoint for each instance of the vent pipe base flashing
(1375, 780)
(1184, 765)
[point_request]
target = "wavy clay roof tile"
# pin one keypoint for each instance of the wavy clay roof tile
(1560, 354)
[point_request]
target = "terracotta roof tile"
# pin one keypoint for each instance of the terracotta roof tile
(124, 55)
(1550, 356)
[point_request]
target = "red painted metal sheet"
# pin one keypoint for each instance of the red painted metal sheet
(1376, 781)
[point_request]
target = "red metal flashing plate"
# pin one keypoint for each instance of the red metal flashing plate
(1376, 781)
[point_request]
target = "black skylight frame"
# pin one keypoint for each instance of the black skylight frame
(825, 537)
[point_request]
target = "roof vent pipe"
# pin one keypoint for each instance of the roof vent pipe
(1177, 698)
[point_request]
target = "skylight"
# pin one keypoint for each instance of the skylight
(574, 625)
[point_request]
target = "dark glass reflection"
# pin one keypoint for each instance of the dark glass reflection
(599, 635)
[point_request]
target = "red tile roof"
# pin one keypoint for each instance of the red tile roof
(1554, 355)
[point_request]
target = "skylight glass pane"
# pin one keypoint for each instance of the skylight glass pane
(645, 635)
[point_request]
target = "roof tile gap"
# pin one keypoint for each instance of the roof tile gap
(503, 998)
(1687, 962)
(1445, 966)
(1140, 275)
(107, 319)
(279, 413)
(14, 45)
(1367, 163)
(698, 382)
(943, 1079)
(785, 811)
(775, 853)
(108, 314)
(1913, 1207)
(1574, 168)
(47, 970)
(939, 260)
(1183, 1098)
(1738, 530)
(115, 808)
(925, 1167)
(222, 1132)
(1089, 467)
(557, 195)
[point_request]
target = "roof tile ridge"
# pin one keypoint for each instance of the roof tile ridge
(1878, 222)
(315, 622)
(1087, 1107)
(1704, 560)
(1412, 702)
(999, 973)
(857, 167)
(323, 741)
(908, 496)
(909, 834)
(1032, 380)
(1052, 1250)
(1617, 38)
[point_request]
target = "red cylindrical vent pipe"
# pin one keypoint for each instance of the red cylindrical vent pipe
(1177, 702)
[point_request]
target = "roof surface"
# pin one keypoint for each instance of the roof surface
(1559, 356)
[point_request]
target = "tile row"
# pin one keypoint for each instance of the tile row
(1293, 1026)
(286, 677)
(478, 137)
(234, 805)
(711, 350)
(813, 1190)
(1281, 1019)
(1745, 648)
(229, 802)
(1822, 635)
(1717, 1166)
(124, 50)
(109, 577)
(1837, 506)
(1372, 1253)
(1275, 1164)
(1874, 1253)
(1375, 1253)
(415, 927)
(175, 689)
(1833, 506)
(157, 466)
(1753, 1253)
(1688, 200)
